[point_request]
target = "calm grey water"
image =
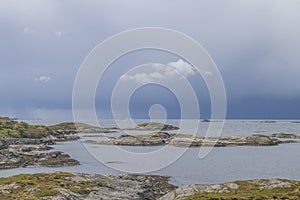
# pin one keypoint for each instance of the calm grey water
(221, 165)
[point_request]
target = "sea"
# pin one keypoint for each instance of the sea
(221, 164)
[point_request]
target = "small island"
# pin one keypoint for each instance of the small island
(184, 140)
(148, 126)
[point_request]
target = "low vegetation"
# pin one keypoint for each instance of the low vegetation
(70, 126)
(14, 129)
(254, 190)
(62, 185)
(38, 186)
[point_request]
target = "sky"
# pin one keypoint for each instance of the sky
(255, 45)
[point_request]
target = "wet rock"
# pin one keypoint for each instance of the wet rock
(55, 159)
(63, 137)
(205, 120)
(21, 156)
(6, 142)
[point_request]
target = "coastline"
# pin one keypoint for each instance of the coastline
(76, 142)
(65, 186)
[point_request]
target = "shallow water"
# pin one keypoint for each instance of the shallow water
(221, 165)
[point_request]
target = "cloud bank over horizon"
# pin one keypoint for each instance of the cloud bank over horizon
(255, 45)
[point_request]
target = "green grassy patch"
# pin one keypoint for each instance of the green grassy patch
(70, 126)
(45, 193)
(14, 129)
(45, 185)
(250, 191)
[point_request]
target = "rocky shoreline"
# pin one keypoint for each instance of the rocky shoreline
(16, 151)
(21, 156)
(22, 145)
(22, 152)
(33, 149)
(74, 186)
(78, 186)
(182, 140)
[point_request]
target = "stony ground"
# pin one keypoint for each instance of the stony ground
(73, 186)
(68, 186)
(15, 156)
(273, 189)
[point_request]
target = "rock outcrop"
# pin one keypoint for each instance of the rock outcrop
(68, 128)
(78, 186)
(6, 142)
(154, 126)
(254, 189)
(68, 186)
(181, 140)
(22, 156)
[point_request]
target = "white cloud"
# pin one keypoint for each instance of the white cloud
(58, 33)
(28, 30)
(43, 79)
(183, 68)
(144, 77)
(171, 72)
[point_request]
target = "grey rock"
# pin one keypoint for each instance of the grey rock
(181, 140)
(285, 135)
(23, 155)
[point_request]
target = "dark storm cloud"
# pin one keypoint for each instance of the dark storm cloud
(254, 43)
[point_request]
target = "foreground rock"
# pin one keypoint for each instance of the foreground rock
(77, 186)
(256, 189)
(181, 140)
(68, 186)
(23, 155)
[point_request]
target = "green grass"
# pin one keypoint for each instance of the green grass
(14, 129)
(250, 191)
(70, 126)
(45, 184)
(45, 193)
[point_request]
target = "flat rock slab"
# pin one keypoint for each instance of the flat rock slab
(182, 140)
